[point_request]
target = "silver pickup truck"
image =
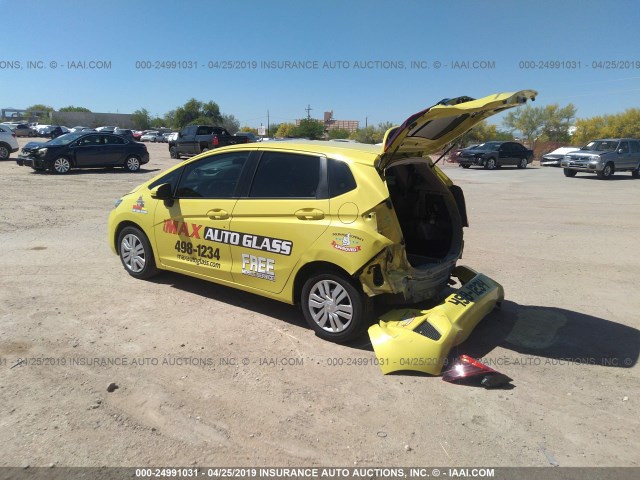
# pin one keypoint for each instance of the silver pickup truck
(604, 158)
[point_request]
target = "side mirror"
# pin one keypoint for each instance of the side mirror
(162, 192)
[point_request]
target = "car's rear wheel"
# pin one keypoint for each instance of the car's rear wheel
(173, 152)
(334, 307)
(490, 164)
(132, 164)
(4, 152)
(523, 163)
(636, 173)
(569, 173)
(465, 166)
(606, 172)
(204, 150)
(61, 165)
(135, 253)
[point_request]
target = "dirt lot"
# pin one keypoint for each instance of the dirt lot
(216, 377)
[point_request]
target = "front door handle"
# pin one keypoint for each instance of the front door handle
(310, 214)
(218, 214)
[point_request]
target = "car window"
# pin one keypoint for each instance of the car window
(517, 147)
(623, 147)
(89, 140)
(286, 175)
(340, 178)
(171, 178)
(212, 177)
(113, 140)
(635, 147)
(204, 130)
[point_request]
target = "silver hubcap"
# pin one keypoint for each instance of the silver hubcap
(132, 253)
(61, 165)
(491, 164)
(607, 171)
(133, 163)
(523, 163)
(330, 306)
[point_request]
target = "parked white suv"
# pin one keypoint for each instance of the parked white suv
(8, 142)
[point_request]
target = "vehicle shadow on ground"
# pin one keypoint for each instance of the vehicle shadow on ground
(614, 177)
(526, 330)
(553, 333)
(98, 171)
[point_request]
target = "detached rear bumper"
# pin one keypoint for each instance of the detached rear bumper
(420, 340)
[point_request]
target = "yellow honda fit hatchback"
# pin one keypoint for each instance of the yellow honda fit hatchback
(327, 225)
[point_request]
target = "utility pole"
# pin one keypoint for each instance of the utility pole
(308, 109)
(268, 126)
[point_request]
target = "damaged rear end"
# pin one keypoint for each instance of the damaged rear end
(422, 223)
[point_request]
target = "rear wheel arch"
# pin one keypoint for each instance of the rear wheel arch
(315, 268)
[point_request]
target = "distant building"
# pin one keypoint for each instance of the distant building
(331, 124)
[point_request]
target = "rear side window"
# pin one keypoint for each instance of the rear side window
(204, 130)
(635, 147)
(340, 178)
(286, 175)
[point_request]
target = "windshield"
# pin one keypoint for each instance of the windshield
(601, 146)
(65, 139)
(490, 146)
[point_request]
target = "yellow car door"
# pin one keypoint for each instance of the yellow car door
(192, 231)
(283, 215)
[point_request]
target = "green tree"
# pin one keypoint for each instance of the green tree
(273, 129)
(338, 133)
(141, 119)
(285, 130)
(625, 124)
(195, 110)
(231, 123)
(71, 108)
(549, 123)
(40, 111)
(557, 121)
(309, 128)
(366, 135)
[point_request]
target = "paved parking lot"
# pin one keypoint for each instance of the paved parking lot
(207, 375)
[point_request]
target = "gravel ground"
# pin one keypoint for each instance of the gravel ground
(207, 375)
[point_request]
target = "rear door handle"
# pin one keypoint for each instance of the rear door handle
(217, 214)
(310, 214)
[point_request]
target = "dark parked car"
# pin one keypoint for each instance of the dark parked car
(84, 150)
(251, 137)
(195, 139)
(125, 132)
(492, 155)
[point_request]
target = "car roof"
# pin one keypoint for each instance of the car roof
(356, 152)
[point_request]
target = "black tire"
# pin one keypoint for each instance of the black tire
(132, 164)
(523, 163)
(569, 173)
(173, 153)
(205, 149)
(490, 163)
(61, 165)
(636, 173)
(335, 308)
(5, 151)
(465, 166)
(136, 254)
(606, 172)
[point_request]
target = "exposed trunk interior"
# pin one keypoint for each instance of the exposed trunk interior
(429, 217)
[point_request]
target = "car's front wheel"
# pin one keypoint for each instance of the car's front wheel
(569, 173)
(523, 163)
(132, 164)
(334, 307)
(61, 165)
(490, 164)
(465, 166)
(173, 152)
(606, 172)
(136, 254)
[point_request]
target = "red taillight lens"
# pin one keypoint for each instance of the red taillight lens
(469, 370)
(215, 142)
(13, 135)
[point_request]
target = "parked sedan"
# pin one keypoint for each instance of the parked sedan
(492, 155)
(553, 159)
(20, 129)
(152, 137)
(84, 150)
